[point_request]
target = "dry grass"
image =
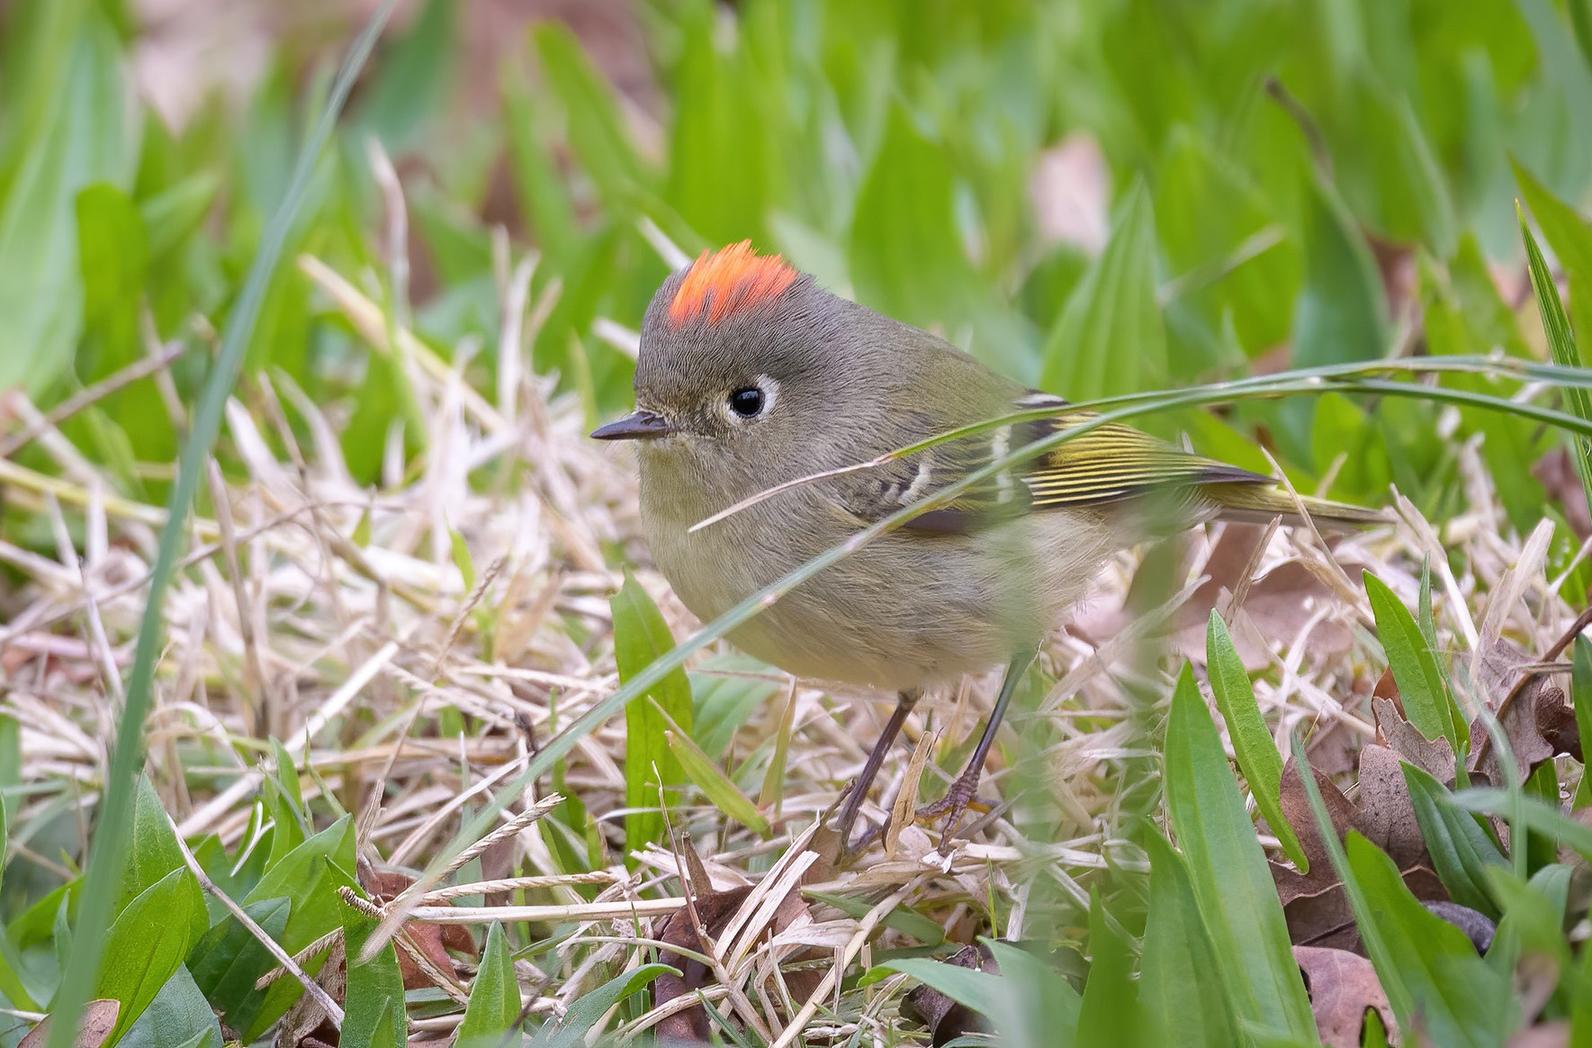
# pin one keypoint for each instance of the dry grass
(339, 620)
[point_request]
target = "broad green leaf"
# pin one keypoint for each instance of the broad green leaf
(1237, 899)
(905, 256)
(725, 692)
(155, 851)
(721, 158)
(593, 122)
(1110, 337)
(494, 1008)
(1181, 983)
(375, 1016)
(982, 991)
(226, 962)
(411, 81)
(540, 188)
(1561, 346)
(903, 919)
(1422, 690)
(1427, 967)
(88, 135)
(309, 875)
(1569, 234)
(1580, 994)
(1111, 1013)
(1042, 1007)
(148, 941)
(1461, 850)
(1257, 754)
(1537, 815)
(1533, 917)
(178, 1017)
(714, 784)
(641, 635)
(588, 1009)
(1451, 991)
(1341, 315)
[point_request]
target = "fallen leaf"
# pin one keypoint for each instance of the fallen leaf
(99, 1019)
(713, 910)
(1386, 816)
(946, 1019)
(433, 940)
(1343, 986)
(1433, 756)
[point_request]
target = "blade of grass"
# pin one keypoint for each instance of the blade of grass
(1236, 896)
(1561, 344)
(110, 839)
(1425, 696)
(1433, 978)
(1257, 754)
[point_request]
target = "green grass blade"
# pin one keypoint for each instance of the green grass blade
(704, 772)
(1581, 699)
(111, 833)
(1180, 984)
(1423, 691)
(494, 1008)
(1236, 896)
(1461, 850)
(1432, 976)
(1257, 755)
(1561, 344)
(640, 638)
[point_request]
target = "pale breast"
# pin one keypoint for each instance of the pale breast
(907, 610)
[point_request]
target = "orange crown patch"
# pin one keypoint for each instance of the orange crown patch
(730, 279)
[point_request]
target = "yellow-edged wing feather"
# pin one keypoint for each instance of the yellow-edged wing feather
(1109, 464)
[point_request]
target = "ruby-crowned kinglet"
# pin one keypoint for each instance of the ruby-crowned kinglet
(750, 375)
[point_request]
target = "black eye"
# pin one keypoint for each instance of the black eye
(746, 401)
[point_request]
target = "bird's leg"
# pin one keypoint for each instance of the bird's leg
(965, 787)
(859, 789)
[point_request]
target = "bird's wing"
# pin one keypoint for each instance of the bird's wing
(1107, 464)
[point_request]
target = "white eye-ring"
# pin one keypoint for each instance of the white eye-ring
(748, 402)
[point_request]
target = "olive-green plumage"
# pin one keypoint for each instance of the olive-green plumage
(754, 376)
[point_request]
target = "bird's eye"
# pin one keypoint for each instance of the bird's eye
(747, 401)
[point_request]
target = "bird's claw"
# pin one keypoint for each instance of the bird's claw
(951, 807)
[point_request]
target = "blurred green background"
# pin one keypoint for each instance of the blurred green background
(1096, 197)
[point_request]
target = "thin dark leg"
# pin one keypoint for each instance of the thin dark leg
(859, 789)
(965, 788)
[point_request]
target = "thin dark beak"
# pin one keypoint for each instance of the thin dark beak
(638, 425)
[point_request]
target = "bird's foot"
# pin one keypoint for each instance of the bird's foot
(951, 807)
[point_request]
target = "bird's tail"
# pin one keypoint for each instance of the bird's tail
(1259, 503)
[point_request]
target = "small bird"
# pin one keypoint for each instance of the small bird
(751, 376)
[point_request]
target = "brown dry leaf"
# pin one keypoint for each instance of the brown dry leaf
(433, 940)
(945, 1019)
(1315, 904)
(1320, 915)
(1538, 724)
(1343, 986)
(1387, 817)
(99, 1019)
(714, 910)
(1433, 756)
(1296, 809)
